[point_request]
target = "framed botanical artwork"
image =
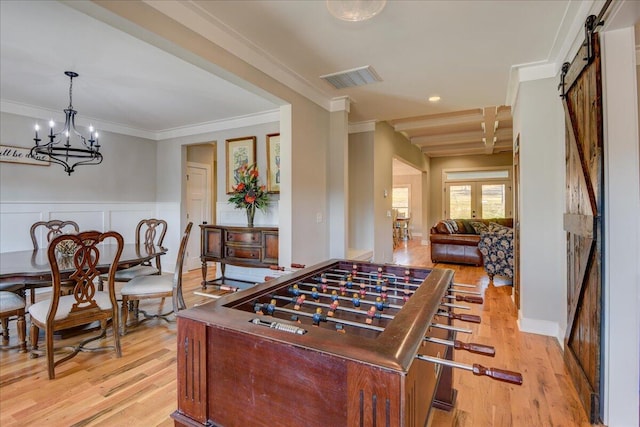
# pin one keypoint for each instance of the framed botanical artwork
(273, 163)
(240, 152)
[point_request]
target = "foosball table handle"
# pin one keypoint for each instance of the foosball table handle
(498, 374)
(470, 299)
(485, 350)
(472, 318)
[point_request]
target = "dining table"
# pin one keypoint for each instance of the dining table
(29, 269)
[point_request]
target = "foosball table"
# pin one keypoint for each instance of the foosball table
(341, 343)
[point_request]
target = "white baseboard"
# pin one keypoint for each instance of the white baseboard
(540, 327)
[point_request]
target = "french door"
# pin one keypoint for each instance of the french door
(478, 199)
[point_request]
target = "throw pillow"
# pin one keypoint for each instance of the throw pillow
(499, 229)
(451, 225)
(479, 227)
(468, 229)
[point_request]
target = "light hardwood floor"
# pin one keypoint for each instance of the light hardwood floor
(139, 389)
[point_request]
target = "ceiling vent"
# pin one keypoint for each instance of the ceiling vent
(355, 77)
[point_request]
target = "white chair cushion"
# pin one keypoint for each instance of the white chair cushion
(10, 301)
(40, 309)
(133, 272)
(148, 285)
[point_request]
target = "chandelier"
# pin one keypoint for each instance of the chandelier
(59, 149)
(355, 10)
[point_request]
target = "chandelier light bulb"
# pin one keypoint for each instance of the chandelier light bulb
(51, 123)
(37, 127)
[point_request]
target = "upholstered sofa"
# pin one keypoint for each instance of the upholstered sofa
(456, 241)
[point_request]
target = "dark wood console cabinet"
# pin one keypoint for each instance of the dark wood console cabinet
(241, 246)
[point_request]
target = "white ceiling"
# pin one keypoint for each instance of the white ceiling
(462, 51)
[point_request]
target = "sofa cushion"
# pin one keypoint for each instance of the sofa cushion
(441, 228)
(456, 239)
(479, 227)
(451, 225)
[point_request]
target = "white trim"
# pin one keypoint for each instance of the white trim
(342, 103)
(540, 327)
(197, 129)
(367, 126)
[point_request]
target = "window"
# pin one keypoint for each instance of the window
(400, 200)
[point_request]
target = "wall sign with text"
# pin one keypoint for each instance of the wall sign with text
(22, 155)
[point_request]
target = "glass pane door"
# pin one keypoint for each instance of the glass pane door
(459, 201)
(493, 200)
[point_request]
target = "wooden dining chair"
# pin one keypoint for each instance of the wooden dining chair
(148, 232)
(152, 287)
(53, 228)
(85, 305)
(13, 305)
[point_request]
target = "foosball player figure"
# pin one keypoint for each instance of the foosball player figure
(334, 295)
(363, 290)
(378, 286)
(349, 282)
(333, 307)
(318, 317)
(343, 288)
(371, 313)
(407, 276)
(271, 307)
(324, 287)
(299, 302)
(314, 293)
(340, 328)
(379, 272)
(383, 292)
(406, 295)
(294, 290)
(257, 308)
(354, 271)
(380, 304)
(355, 300)
(294, 318)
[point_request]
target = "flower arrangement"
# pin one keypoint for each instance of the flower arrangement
(248, 194)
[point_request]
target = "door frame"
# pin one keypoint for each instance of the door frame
(207, 202)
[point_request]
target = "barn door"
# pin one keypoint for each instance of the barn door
(582, 99)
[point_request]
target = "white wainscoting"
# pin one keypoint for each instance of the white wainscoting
(16, 219)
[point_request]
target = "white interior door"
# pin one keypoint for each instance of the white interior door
(198, 191)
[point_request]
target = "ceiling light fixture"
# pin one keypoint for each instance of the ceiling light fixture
(434, 98)
(59, 150)
(355, 10)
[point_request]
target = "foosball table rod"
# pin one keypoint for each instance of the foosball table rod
(464, 317)
(462, 307)
(485, 350)
(477, 369)
(471, 299)
(452, 328)
(462, 291)
(332, 319)
(463, 285)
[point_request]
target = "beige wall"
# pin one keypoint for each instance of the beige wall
(438, 164)
(361, 228)
(389, 144)
(303, 127)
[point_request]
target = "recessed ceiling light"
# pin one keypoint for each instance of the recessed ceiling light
(434, 98)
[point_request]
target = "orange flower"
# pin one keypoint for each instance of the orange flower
(249, 198)
(254, 173)
(240, 187)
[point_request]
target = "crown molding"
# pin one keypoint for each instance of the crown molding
(40, 113)
(199, 20)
